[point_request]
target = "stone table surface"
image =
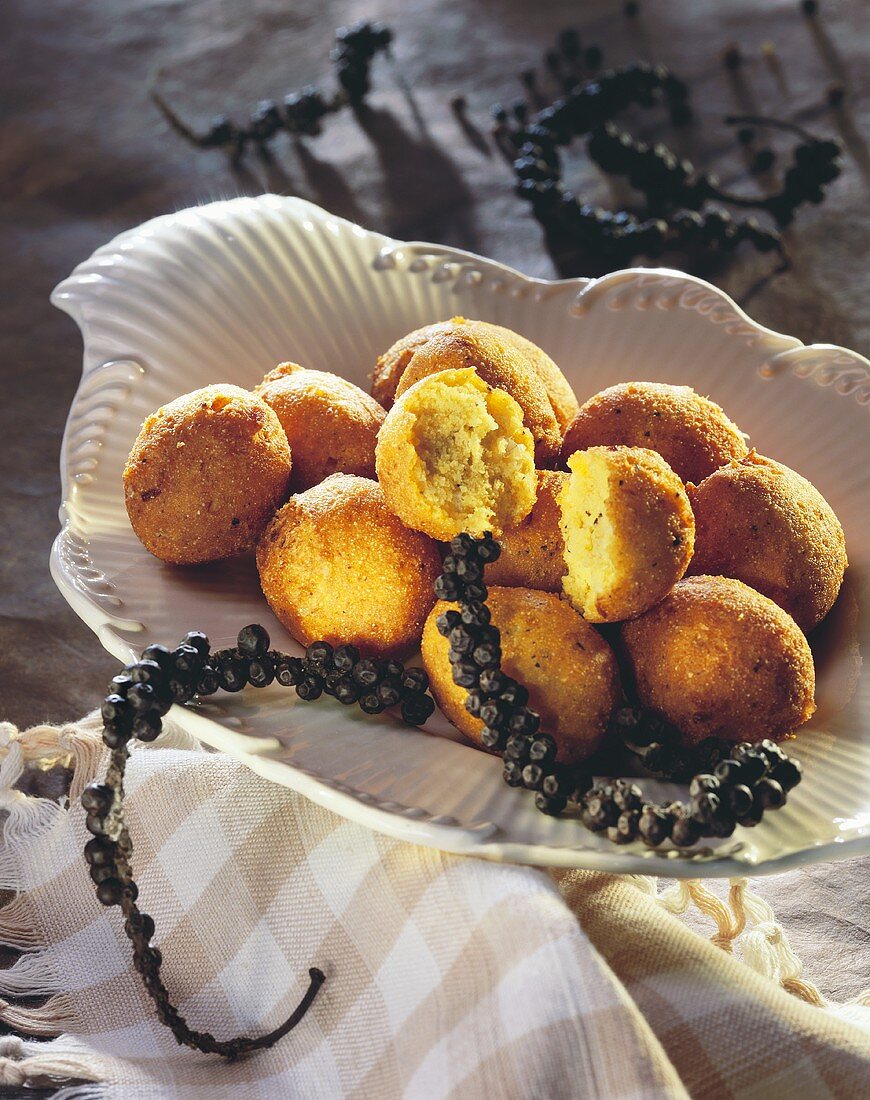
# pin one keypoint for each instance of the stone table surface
(84, 154)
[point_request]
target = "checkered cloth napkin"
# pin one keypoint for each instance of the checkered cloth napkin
(446, 976)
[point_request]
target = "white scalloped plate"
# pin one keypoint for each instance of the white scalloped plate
(223, 292)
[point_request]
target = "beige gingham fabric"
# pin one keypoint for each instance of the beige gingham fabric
(446, 977)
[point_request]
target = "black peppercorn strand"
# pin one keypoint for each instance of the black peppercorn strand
(302, 113)
(137, 700)
(815, 163)
(668, 183)
(108, 853)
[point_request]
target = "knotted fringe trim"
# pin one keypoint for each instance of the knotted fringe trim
(29, 821)
(16, 927)
(30, 818)
(28, 1063)
(22, 1064)
(50, 1019)
(748, 922)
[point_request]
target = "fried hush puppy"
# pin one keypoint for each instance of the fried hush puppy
(205, 475)
(569, 669)
(533, 551)
(331, 424)
(562, 397)
(764, 524)
(453, 455)
(503, 359)
(691, 433)
(628, 531)
(336, 564)
(717, 659)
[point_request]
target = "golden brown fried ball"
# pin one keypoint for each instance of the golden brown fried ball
(453, 455)
(628, 530)
(336, 564)
(691, 433)
(331, 424)
(562, 397)
(533, 551)
(205, 475)
(568, 668)
(501, 357)
(718, 659)
(393, 362)
(391, 365)
(764, 524)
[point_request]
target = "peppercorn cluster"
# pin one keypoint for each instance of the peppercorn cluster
(374, 684)
(745, 780)
(510, 725)
(658, 748)
(750, 780)
(302, 113)
(674, 191)
(141, 694)
(353, 53)
(670, 184)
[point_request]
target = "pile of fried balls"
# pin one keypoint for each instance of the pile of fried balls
(648, 554)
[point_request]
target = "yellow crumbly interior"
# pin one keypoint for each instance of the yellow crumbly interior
(591, 543)
(473, 458)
